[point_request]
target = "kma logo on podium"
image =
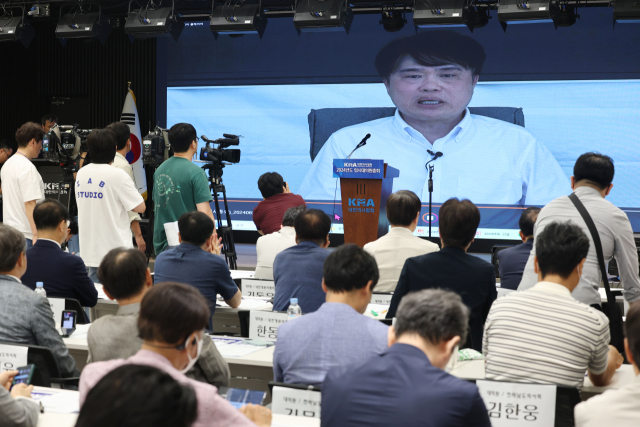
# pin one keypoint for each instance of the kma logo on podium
(361, 205)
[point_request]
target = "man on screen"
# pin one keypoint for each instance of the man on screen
(430, 78)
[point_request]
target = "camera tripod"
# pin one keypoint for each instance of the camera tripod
(226, 232)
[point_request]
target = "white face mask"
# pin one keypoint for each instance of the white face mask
(195, 359)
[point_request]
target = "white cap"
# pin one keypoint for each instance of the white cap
(294, 300)
(39, 284)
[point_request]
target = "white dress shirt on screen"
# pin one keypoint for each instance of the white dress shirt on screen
(104, 195)
(392, 250)
(21, 183)
(485, 160)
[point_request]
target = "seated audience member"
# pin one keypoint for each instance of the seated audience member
(337, 333)
(453, 268)
(272, 244)
(125, 277)
(104, 195)
(511, 261)
(26, 317)
(17, 409)
(543, 335)
(196, 261)
(171, 325)
(267, 216)
(64, 275)
(139, 396)
(297, 271)
(406, 385)
(394, 248)
(617, 407)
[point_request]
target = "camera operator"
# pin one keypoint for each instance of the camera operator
(123, 134)
(23, 185)
(48, 121)
(179, 186)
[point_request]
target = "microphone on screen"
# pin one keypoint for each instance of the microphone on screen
(360, 144)
(434, 156)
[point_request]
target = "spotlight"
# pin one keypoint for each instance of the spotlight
(14, 28)
(237, 19)
(83, 24)
(564, 15)
(449, 13)
(322, 15)
(392, 20)
(152, 21)
(524, 12)
(626, 12)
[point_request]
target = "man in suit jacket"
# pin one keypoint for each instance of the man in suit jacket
(125, 277)
(407, 385)
(64, 275)
(453, 269)
(270, 245)
(393, 249)
(512, 261)
(26, 317)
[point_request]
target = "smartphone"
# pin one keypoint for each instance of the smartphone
(68, 321)
(25, 375)
(239, 398)
(45, 143)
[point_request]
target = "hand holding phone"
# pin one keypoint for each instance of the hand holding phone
(6, 378)
(21, 390)
(23, 376)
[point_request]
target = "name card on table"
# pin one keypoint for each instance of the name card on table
(349, 168)
(12, 357)
(263, 325)
(258, 288)
(518, 404)
(295, 402)
(57, 306)
(382, 299)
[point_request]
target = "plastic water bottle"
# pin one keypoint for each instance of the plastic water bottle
(40, 289)
(294, 309)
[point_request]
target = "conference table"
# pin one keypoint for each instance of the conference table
(58, 411)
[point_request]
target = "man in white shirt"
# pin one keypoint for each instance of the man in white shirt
(430, 77)
(392, 250)
(543, 335)
(270, 245)
(617, 407)
(592, 182)
(22, 185)
(104, 195)
(123, 135)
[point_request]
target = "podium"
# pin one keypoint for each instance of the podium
(365, 186)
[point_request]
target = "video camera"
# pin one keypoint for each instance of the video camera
(62, 144)
(217, 155)
(156, 147)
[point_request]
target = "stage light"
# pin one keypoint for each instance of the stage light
(322, 15)
(392, 20)
(449, 13)
(237, 19)
(14, 28)
(626, 12)
(564, 15)
(524, 12)
(152, 21)
(81, 24)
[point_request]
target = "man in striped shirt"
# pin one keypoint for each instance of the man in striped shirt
(543, 335)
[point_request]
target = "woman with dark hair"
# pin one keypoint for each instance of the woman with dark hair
(139, 396)
(171, 323)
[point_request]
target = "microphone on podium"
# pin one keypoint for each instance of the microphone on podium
(360, 144)
(434, 156)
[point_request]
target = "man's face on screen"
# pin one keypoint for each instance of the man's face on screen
(430, 94)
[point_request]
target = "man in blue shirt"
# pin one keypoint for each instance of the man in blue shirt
(337, 334)
(406, 385)
(512, 261)
(297, 271)
(430, 78)
(196, 261)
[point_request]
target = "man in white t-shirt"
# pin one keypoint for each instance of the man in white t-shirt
(22, 185)
(104, 195)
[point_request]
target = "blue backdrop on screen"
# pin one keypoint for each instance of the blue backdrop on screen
(575, 85)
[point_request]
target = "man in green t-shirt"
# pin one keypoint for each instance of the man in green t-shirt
(179, 186)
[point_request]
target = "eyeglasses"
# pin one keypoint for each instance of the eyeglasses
(197, 140)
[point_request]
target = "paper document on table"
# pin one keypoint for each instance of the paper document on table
(61, 403)
(100, 289)
(376, 311)
(81, 331)
(171, 230)
(231, 347)
(249, 304)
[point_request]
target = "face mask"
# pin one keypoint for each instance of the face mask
(195, 359)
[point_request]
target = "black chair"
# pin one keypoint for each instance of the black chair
(324, 122)
(74, 304)
(47, 371)
(494, 257)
